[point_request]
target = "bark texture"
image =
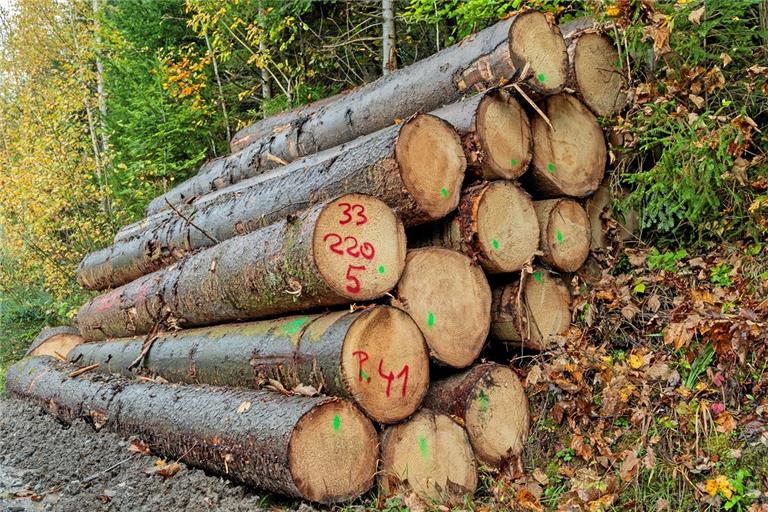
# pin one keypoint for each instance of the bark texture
(491, 57)
(417, 169)
(491, 402)
(327, 351)
(208, 428)
(288, 266)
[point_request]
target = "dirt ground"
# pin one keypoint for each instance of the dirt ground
(45, 465)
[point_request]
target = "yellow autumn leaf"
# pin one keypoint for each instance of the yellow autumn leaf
(635, 361)
(719, 485)
(613, 11)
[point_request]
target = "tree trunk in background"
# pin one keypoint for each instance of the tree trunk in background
(337, 353)
(347, 250)
(100, 77)
(320, 449)
(389, 49)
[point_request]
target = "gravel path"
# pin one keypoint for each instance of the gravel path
(45, 465)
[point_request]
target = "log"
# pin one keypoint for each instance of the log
(495, 133)
(489, 58)
(495, 225)
(55, 341)
(603, 216)
(431, 455)
(565, 233)
(570, 159)
(416, 168)
(545, 302)
(375, 357)
(594, 67)
(320, 449)
(349, 249)
(449, 298)
(491, 402)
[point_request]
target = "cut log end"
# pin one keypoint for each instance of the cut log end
(507, 229)
(497, 416)
(597, 73)
(432, 164)
(504, 131)
(546, 311)
(385, 364)
(565, 235)
(359, 246)
(535, 39)
(332, 453)
(56, 342)
(449, 298)
(431, 455)
(569, 160)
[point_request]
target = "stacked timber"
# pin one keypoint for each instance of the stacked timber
(324, 297)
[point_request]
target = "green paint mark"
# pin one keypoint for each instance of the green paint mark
(495, 245)
(541, 77)
(537, 276)
(294, 325)
(364, 375)
(483, 398)
(444, 192)
(514, 162)
(430, 319)
(551, 168)
(560, 236)
(381, 269)
(336, 423)
(423, 448)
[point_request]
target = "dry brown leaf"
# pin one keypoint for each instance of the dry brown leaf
(139, 446)
(629, 465)
(540, 476)
(528, 501)
(275, 385)
(305, 390)
(696, 15)
(244, 407)
(726, 59)
(697, 100)
(163, 468)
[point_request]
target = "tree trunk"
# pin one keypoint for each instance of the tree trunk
(55, 341)
(321, 449)
(570, 159)
(495, 133)
(431, 455)
(336, 353)
(486, 59)
(496, 226)
(594, 67)
(545, 302)
(389, 52)
(565, 233)
(491, 402)
(449, 298)
(417, 169)
(349, 249)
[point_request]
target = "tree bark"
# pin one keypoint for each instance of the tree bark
(495, 133)
(568, 159)
(389, 52)
(565, 233)
(431, 455)
(349, 249)
(594, 67)
(417, 169)
(336, 353)
(496, 55)
(449, 298)
(545, 305)
(495, 225)
(321, 449)
(491, 402)
(55, 341)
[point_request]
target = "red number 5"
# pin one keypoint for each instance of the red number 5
(353, 279)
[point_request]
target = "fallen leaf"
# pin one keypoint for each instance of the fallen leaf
(163, 468)
(528, 501)
(139, 446)
(696, 15)
(726, 59)
(635, 361)
(629, 465)
(305, 390)
(540, 476)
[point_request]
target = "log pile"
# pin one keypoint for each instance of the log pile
(353, 272)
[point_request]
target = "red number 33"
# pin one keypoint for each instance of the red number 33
(358, 209)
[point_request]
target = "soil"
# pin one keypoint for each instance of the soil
(46, 465)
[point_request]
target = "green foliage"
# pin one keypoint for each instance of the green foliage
(720, 275)
(665, 261)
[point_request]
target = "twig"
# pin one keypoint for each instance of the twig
(81, 371)
(59, 356)
(535, 107)
(276, 159)
(110, 468)
(189, 221)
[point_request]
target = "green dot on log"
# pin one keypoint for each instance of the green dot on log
(294, 325)
(495, 244)
(483, 398)
(537, 276)
(560, 237)
(541, 77)
(514, 162)
(444, 192)
(430, 319)
(551, 168)
(381, 269)
(423, 448)
(336, 423)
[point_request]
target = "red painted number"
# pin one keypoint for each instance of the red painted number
(365, 250)
(391, 377)
(334, 246)
(355, 208)
(356, 287)
(361, 358)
